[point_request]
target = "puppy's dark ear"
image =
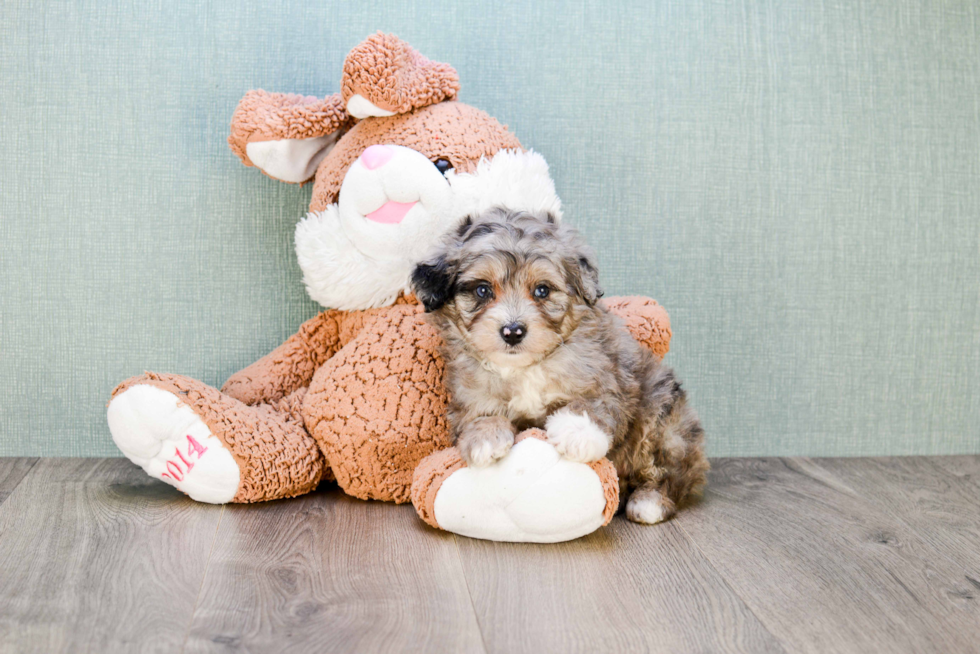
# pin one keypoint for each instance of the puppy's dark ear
(433, 283)
(590, 289)
(580, 264)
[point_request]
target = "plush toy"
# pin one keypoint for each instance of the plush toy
(357, 393)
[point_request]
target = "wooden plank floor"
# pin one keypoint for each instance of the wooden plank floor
(782, 555)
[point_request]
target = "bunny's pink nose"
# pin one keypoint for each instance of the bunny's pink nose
(376, 156)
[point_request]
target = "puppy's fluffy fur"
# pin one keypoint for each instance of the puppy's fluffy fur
(527, 345)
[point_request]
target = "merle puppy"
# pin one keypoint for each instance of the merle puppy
(527, 344)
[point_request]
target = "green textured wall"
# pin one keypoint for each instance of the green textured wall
(798, 182)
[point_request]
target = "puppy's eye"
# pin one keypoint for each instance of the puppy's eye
(541, 291)
(443, 165)
(483, 291)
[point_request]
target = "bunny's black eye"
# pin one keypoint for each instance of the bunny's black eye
(482, 291)
(443, 165)
(541, 291)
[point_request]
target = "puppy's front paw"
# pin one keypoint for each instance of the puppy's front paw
(485, 440)
(576, 437)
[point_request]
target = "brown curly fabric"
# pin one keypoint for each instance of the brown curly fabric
(427, 480)
(276, 457)
(448, 130)
(394, 76)
(647, 321)
(291, 365)
(262, 116)
(610, 487)
(290, 409)
(378, 407)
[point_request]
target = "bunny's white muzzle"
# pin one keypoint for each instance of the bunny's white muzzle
(392, 201)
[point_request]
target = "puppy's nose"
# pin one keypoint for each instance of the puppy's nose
(376, 156)
(513, 333)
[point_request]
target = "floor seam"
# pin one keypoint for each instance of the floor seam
(204, 577)
(469, 593)
(724, 580)
(21, 480)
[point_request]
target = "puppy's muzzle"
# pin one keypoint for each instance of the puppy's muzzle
(513, 333)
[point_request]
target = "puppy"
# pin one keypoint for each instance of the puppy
(515, 297)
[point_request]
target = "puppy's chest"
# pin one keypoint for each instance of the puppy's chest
(528, 394)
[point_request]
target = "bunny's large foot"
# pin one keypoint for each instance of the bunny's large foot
(209, 445)
(532, 494)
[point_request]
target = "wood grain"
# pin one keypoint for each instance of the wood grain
(942, 508)
(783, 555)
(12, 471)
(824, 568)
(626, 588)
(97, 557)
(329, 573)
(964, 467)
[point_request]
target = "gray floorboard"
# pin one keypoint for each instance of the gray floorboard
(782, 555)
(626, 588)
(12, 471)
(330, 573)
(823, 567)
(97, 557)
(942, 508)
(966, 468)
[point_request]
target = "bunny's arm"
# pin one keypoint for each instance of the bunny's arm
(291, 365)
(286, 135)
(647, 321)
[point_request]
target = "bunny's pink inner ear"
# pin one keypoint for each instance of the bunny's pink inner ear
(384, 76)
(285, 135)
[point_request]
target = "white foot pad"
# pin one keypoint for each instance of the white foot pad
(161, 434)
(530, 495)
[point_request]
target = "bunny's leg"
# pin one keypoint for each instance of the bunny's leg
(211, 446)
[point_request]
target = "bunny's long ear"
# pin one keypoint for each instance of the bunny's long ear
(287, 135)
(384, 76)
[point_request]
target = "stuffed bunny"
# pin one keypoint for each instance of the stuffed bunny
(357, 393)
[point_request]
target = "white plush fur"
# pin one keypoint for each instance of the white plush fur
(406, 177)
(360, 107)
(576, 437)
(513, 179)
(336, 273)
(150, 426)
(350, 262)
(291, 160)
(531, 495)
